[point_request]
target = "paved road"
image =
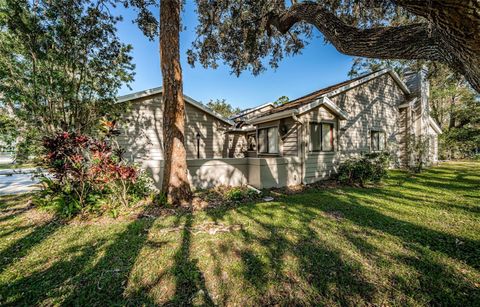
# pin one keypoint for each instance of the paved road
(17, 183)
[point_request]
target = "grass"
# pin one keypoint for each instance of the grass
(413, 241)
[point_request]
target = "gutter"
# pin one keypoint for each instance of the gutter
(274, 116)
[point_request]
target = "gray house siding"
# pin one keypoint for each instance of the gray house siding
(142, 134)
(371, 106)
(319, 165)
(354, 109)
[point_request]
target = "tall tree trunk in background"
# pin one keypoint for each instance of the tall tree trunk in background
(451, 123)
(175, 183)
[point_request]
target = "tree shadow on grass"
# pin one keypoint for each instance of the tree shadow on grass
(79, 278)
(435, 279)
(22, 247)
(326, 277)
(189, 280)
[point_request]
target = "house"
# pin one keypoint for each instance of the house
(142, 136)
(301, 141)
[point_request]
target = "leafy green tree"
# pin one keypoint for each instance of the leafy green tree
(61, 63)
(222, 107)
(281, 100)
(8, 132)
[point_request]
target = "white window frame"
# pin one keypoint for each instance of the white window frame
(333, 138)
(267, 145)
(377, 131)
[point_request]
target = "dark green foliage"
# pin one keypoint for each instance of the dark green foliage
(61, 63)
(371, 167)
(222, 107)
(239, 34)
(8, 131)
(281, 100)
(224, 195)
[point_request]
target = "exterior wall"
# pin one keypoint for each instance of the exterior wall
(207, 173)
(258, 172)
(371, 106)
(288, 138)
(433, 146)
(213, 137)
(257, 112)
(142, 135)
(319, 165)
(274, 172)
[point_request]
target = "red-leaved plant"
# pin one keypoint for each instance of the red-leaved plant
(82, 165)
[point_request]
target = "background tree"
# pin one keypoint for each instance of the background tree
(245, 33)
(281, 100)
(222, 107)
(61, 63)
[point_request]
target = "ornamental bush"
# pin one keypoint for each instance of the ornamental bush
(86, 172)
(371, 167)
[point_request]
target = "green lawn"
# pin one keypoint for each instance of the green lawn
(413, 241)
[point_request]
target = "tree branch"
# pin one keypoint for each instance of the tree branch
(450, 34)
(403, 42)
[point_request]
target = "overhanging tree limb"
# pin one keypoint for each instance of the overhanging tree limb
(451, 33)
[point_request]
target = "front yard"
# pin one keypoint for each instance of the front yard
(413, 241)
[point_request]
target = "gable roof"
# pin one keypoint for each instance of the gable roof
(323, 101)
(250, 110)
(159, 90)
(312, 100)
(435, 126)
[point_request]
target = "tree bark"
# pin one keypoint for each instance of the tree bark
(451, 34)
(175, 183)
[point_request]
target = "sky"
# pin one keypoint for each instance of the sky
(319, 65)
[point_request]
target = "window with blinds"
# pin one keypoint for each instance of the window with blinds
(377, 140)
(268, 140)
(321, 136)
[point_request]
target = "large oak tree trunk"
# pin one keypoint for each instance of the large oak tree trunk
(175, 183)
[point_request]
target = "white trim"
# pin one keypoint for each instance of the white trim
(325, 101)
(247, 111)
(434, 125)
(158, 90)
(379, 73)
(271, 117)
(408, 104)
(399, 81)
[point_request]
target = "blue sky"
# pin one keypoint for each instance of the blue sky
(318, 66)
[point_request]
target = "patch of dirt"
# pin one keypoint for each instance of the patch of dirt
(296, 189)
(26, 210)
(210, 228)
(334, 215)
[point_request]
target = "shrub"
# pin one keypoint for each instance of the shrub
(88, 172)
(370, 167)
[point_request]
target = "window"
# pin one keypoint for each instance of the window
(268, 140)
(251, 142)
(378, 140)
(321, 135)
